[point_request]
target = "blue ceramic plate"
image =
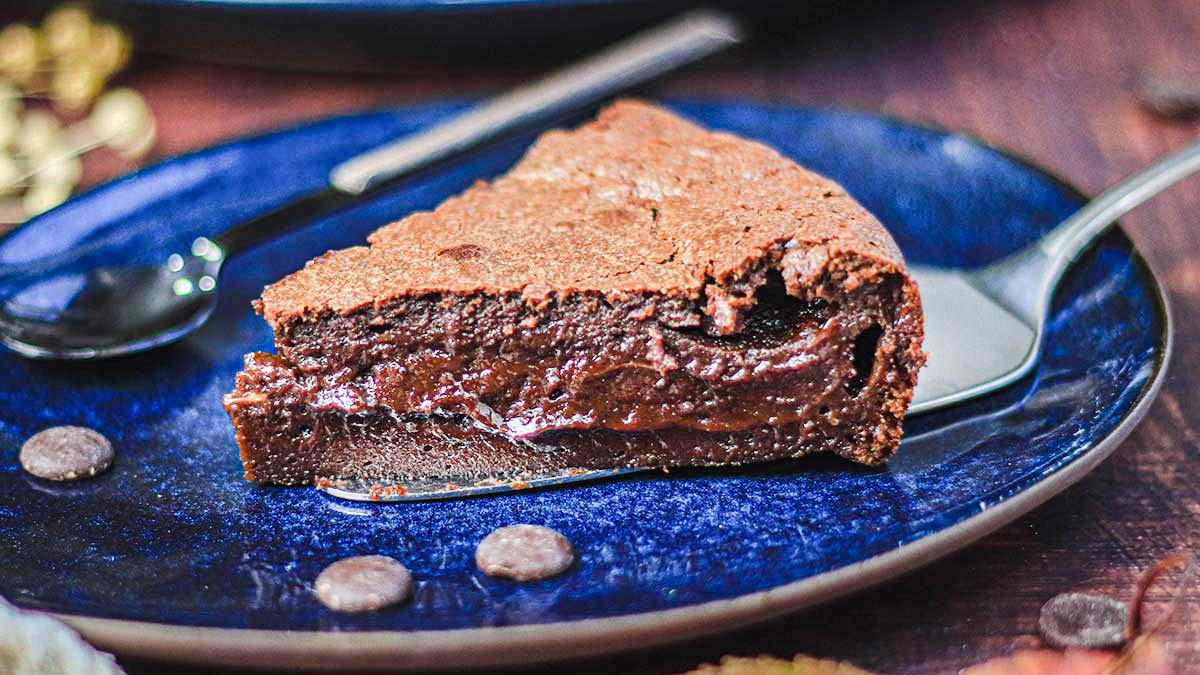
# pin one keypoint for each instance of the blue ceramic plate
(171, 554)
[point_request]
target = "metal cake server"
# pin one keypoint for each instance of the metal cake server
(68, 314)
(983, 327)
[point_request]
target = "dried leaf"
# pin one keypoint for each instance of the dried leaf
(1144, 656)
(1045, 662)
(766, 665)
(1180, 559)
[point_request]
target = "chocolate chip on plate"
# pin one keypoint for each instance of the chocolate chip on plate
(1084, 620)
(364, 584)
(66, 453)
(524, 553)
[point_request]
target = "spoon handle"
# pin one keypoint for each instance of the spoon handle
(1069, 238)
(1024, 282)
(574, 88)
(585, 83)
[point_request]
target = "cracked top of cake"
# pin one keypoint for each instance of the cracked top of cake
(637, 201)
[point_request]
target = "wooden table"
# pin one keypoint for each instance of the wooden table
(1050, 80)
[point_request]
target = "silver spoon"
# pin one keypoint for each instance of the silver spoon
(984, 327)
(122, 310)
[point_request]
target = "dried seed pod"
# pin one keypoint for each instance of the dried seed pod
(1086, 620)
(123, 121)
(67, 29)
(768, 665)
(11, 99)
(11, 173)
(110, 48)
(75, 84)
(40, 133)
(42, 198)
(141, 145)
(20, 52)
(62, 169)
(10, 129)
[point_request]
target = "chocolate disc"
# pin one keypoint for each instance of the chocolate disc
(1084, 620)
(66, 453)
(363, 584)
(524, 553)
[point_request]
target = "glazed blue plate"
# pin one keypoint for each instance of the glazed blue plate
(171, 554)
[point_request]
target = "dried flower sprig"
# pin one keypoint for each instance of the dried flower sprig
(69, 61)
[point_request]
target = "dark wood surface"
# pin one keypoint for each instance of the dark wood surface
(1053, 81)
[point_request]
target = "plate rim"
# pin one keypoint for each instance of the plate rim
(410, 651)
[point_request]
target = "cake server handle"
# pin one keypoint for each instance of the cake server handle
(628, 63)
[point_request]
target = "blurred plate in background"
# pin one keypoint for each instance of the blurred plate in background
(375, 35)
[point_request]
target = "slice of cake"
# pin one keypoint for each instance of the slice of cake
(636, 292)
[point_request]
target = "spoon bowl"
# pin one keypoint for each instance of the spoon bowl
(113, 310)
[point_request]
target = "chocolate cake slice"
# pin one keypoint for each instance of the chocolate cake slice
(636, 292)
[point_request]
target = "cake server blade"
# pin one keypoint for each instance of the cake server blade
(432, 489)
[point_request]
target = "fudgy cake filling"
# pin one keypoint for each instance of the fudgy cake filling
(527, 366)
(287, 441)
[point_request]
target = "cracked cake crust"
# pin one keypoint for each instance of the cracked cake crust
(638, 201)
